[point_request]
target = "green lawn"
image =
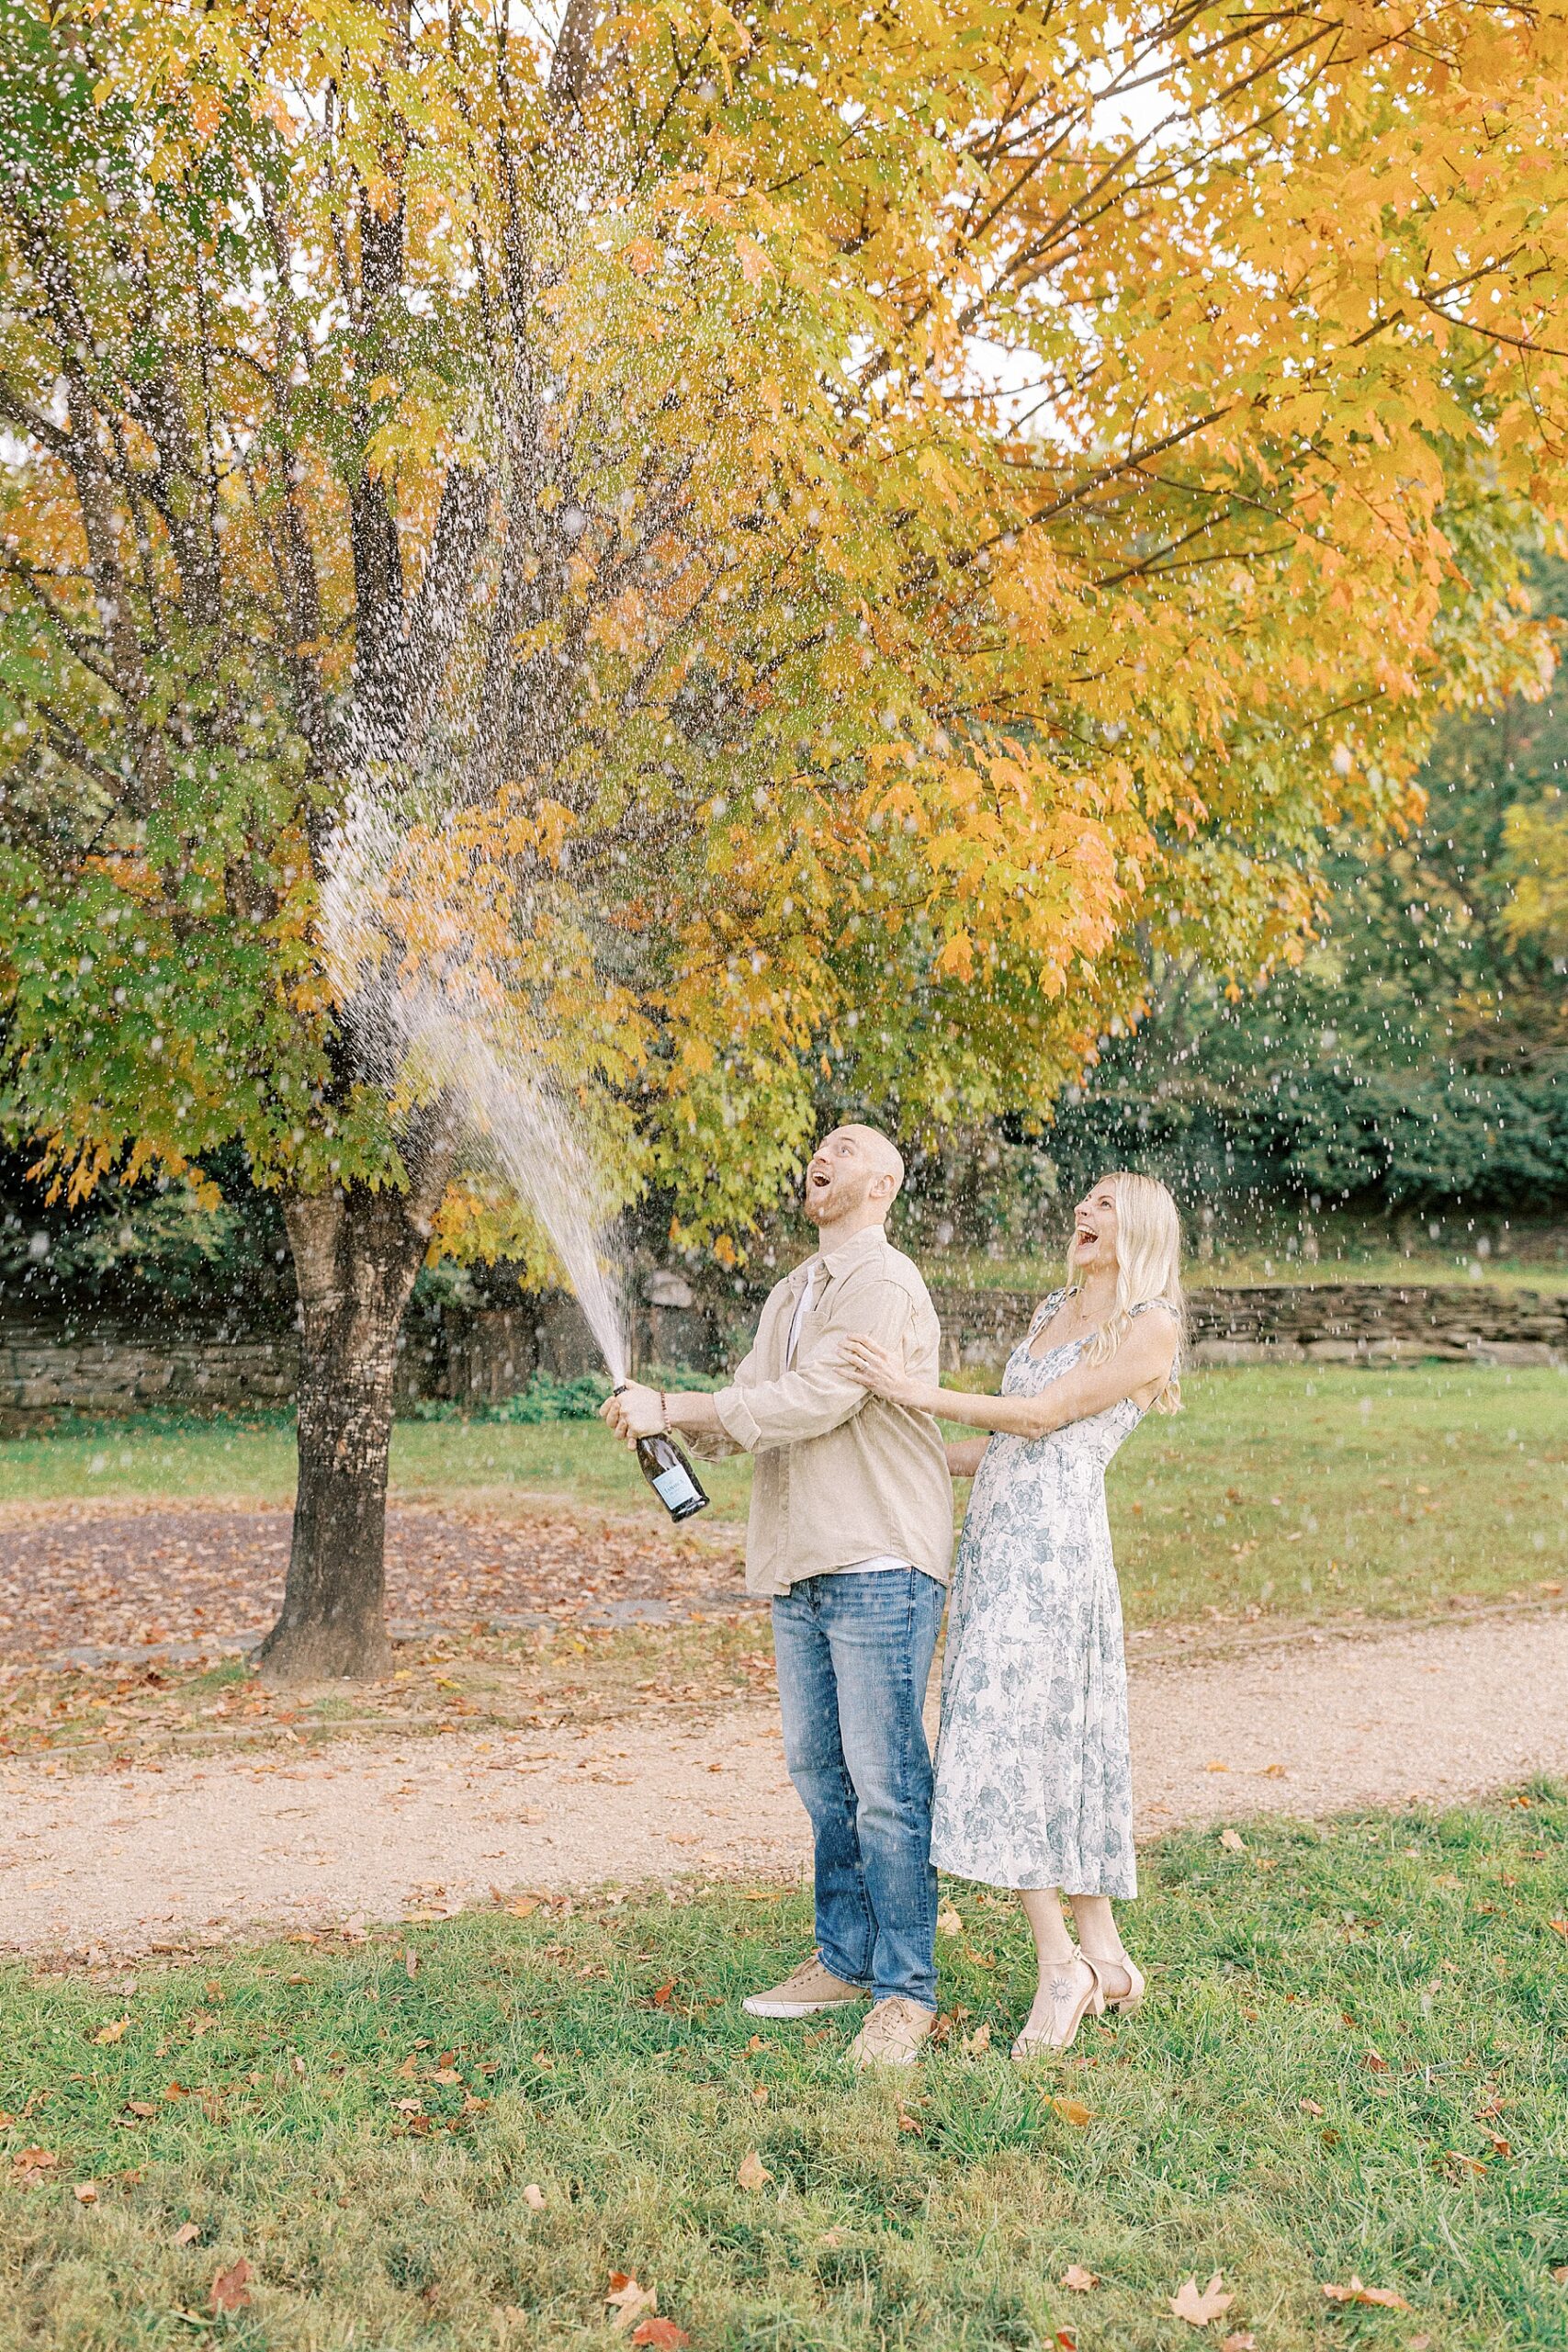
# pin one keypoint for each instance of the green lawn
(1352, 2065)
(1280, 1490)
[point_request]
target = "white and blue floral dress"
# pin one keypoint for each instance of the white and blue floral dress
(1033, 1771)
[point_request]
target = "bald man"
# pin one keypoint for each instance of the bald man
(851, 1534)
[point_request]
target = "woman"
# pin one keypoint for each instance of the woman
(1033, 1772)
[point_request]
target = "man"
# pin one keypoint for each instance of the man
(851, 1533)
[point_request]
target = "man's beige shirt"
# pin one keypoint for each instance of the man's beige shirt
(840, 1477)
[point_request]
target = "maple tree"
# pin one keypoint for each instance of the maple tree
(847, 539)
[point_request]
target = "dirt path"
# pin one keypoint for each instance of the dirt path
(119, 1862)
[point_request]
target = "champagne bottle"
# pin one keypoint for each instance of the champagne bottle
(669, 1472)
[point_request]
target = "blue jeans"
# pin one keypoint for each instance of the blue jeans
(854, 1652)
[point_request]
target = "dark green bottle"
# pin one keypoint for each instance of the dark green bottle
(671, 1476)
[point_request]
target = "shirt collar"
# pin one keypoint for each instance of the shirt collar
(869, 1242)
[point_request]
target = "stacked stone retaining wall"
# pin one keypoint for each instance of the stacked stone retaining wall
(489, 1354)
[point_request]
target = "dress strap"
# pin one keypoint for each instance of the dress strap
(1044, 1312)
(1144, 1305)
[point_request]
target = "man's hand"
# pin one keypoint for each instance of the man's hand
(633, 1412)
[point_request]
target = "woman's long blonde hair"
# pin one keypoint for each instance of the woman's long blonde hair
(1149, 1266)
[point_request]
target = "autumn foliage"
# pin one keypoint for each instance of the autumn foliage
(848, 538)
(887, 526)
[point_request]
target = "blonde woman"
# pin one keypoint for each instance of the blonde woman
(1033, 1786)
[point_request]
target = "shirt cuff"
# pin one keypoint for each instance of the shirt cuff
(737, 1420)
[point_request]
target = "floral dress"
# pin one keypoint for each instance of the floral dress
(1033, 1773)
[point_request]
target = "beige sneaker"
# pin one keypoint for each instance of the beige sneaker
(805, 1990)
(891, 2035)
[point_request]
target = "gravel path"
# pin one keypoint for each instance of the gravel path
(122, 1862)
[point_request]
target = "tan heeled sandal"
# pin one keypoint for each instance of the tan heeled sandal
(1133, 1999)
(1065, 2016)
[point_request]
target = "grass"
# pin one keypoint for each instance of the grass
(1348, 1250)
(1352, 2064)
(1280, 1491)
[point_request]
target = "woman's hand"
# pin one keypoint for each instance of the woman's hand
(875, 1369)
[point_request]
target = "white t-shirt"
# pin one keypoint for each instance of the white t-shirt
(808, 1299)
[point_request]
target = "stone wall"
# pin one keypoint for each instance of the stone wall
(1306, 1323)
(486, 1355)
(46, 1368)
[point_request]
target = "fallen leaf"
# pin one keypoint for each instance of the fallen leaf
(112, 2032)
(947, 1921)
(176, 2090)
(1419, 2344)
(907, 2122)
(756, 2042)
(1560, 2274)
(1241, 2340)
(1560, 1926)
(628, 2299)
(86, 2192)
(213, 1988)
(524, 1907)
(1079, 2279)
(1215, 1765)
(140, 2107)
(31, 2163)
(753, 2172)
(1231, 1841)
(1466, 2164)
(186, 2232)
(1384, 2298)
(664, 1993)
(533, 2197)
(231, 2287)
(662, 2333)
(1376, 2064)
(1072, 2110)
(1311, 2107)
(411, 1962)
(1272, 1772)
(1065, 2340)
(977, 2042)
(1198, 2306)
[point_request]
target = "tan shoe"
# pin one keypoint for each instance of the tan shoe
(807, 1989)
(891, 2035)
(1074, 1991)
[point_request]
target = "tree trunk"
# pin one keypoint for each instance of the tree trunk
(356, 1256)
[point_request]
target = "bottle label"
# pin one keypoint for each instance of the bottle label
(673, 1488)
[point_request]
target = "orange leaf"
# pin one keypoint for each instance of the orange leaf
(1384, 2298)
(231, 2287)
(114, 2032)
(663, 1995)
(1199, 2306)
(643, 257)
(662, 2333)
(86, 2192)
(629, 2298)
(1072, 2110)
